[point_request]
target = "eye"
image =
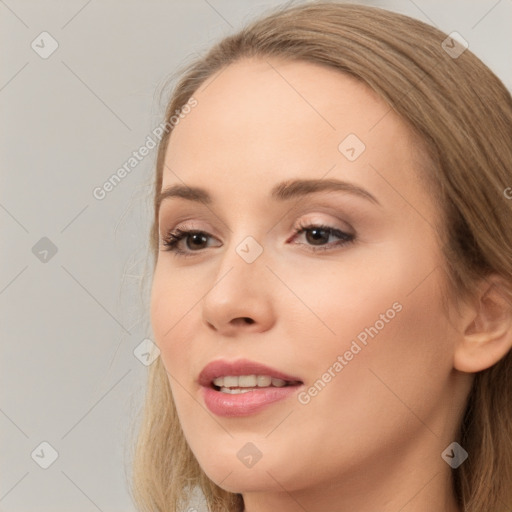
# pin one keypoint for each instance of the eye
(195, 241)
(317, 236)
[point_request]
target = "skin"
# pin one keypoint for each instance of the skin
(372, 438)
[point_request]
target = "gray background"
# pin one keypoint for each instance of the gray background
(70, 323)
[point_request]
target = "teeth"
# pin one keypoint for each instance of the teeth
(219, 382)
(230, 382)
(247, 381)
(263, 381)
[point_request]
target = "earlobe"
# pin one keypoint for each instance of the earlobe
(487, 334)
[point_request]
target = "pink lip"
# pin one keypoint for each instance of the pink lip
(243, 404)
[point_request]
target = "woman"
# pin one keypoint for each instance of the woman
(332, 290)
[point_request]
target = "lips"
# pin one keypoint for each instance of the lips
(222, 368)
(243, 399)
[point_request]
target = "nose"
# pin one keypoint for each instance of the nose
(240, 298)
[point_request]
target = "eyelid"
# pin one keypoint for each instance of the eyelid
(315, 217)
(187, 225)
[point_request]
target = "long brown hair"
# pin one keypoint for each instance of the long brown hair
(462, 114)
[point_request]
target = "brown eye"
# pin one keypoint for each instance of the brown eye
(318, 236)
(196, 240)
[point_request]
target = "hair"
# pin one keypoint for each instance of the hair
(462, 115)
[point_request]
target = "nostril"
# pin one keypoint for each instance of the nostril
(243, 320)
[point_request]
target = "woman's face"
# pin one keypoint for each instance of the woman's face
(348, 310)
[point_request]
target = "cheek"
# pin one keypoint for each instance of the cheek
(173, 310)
(174, 323)
(389, 327)
(395, 349)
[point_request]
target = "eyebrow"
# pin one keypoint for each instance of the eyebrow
(283, 191)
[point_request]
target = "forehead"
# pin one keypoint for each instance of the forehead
(259, 121)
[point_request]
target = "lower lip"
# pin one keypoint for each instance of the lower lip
(244, 404)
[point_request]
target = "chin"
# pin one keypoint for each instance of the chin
(247, 481)
(233, 476)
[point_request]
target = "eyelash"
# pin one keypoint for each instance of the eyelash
(170, 242)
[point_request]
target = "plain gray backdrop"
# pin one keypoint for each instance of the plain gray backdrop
(74, 273)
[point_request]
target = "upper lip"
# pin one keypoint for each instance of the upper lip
(221, 368)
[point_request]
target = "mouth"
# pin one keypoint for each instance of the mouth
(234, 384)
(243, 387)
(243, 374)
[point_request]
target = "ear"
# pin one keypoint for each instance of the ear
(487, 335)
